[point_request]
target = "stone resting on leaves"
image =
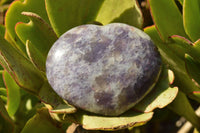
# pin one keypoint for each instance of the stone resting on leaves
(103, 69)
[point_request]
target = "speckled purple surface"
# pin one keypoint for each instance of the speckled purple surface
(103, 69)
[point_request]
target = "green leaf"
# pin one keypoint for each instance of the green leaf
(196, 93)
(2, 30)
(167, 18)
(5, 126)
(3, 92)
(3, 95)
(196, 45)
(13, 16)
(5, 121)
(28, 107)
(4, 113)
(192, 68)
(95, 122)
(40, 35)
(161, 95)
(66, 14)
(124, 11)
(1, 79)
(185, 46)
(35, 56)
(48, 95)
(20, 68)
(182, 107)
(13, 92)
(63, 109)
(41, 123)
(176, 64)
(191, 18)
(37, 31)
(177, 49)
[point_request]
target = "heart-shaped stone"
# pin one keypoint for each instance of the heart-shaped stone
(103, 69)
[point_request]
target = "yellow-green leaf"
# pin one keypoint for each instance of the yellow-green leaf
(13, 16)
(20, 68)
(124, 11)
(66, 14)
(41, 122)
(35, 56)
(192, 68)
(95, 122)
(161, 95)
(13, 92)
(191, 18)
(176, 64)
(185, 47)
(167, 18)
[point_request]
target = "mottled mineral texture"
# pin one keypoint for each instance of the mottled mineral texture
(103, 69)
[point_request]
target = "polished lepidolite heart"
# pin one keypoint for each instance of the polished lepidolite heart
(103, 69)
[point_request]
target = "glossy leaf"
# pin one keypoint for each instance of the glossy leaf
(8, 38)
(167, 18)
(124, 11)
(161, 95)
(13, 16)
(182, 107)
(13, 92)
(41, 123)
(95, 122)
(191, 18)
(66, 14)
(192, 68)
(176, 64)
(103, 11)
(37, 31)
(20, 68)
(40, 35)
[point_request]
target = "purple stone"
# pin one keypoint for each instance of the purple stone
(103, 69)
